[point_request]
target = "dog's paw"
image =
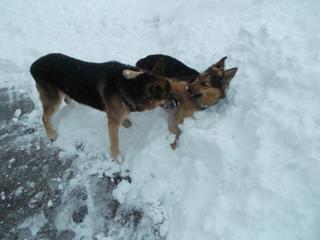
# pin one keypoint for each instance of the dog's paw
(173, 145)
(78, 203)
(52, 136)
(67, 100)
(79, 214)
(119, 159)
(126, 123)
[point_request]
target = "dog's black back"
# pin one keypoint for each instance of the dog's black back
(173, 67)
(87, 83)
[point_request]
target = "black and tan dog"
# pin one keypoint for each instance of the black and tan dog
(192, 90)
(112, 87)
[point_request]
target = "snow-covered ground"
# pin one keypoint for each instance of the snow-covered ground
(247, 168)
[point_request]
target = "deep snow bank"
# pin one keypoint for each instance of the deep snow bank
(247, 168)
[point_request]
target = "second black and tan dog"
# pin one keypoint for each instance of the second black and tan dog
(192, 90)
(115, 88)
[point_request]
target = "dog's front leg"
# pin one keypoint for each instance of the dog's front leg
(175, 130)
(113, 127)
(176, 119)
(116, 112)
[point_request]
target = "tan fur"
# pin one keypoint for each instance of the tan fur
(129, 74)
(51, 99)
(202, 85)
(209, 94)
(185, 109)
(117, 112)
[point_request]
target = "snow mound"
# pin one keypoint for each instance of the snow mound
(247, 168)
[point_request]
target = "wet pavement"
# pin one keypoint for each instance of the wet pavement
(37, 200)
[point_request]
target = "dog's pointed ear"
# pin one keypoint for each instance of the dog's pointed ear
(130, 74)
(160, 66)
(228, 75)
(220, 64)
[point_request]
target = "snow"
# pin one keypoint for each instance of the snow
(19, 191)
(3, 196)
(50, 203)
(247, 168)
(121, 191)
(17, 113)
(35, 223)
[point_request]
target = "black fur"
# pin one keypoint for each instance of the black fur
(216, 80)
(177, 70)
(173, 67)
(89, 83)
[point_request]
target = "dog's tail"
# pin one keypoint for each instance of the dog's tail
(36, 69)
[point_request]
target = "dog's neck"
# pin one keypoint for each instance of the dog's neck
(127, 100)
(181, 94)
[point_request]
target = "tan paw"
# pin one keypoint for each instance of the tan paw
(173, 145)
(119, 159)
(67, 100)
(126, 123)
(52, 136)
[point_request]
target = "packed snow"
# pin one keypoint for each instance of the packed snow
(247, 168)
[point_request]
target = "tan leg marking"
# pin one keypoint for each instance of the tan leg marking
(113, 127)
(116, 113)
(51, 99)
(176, 119)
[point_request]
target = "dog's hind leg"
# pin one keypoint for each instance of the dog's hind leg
(51, 99)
